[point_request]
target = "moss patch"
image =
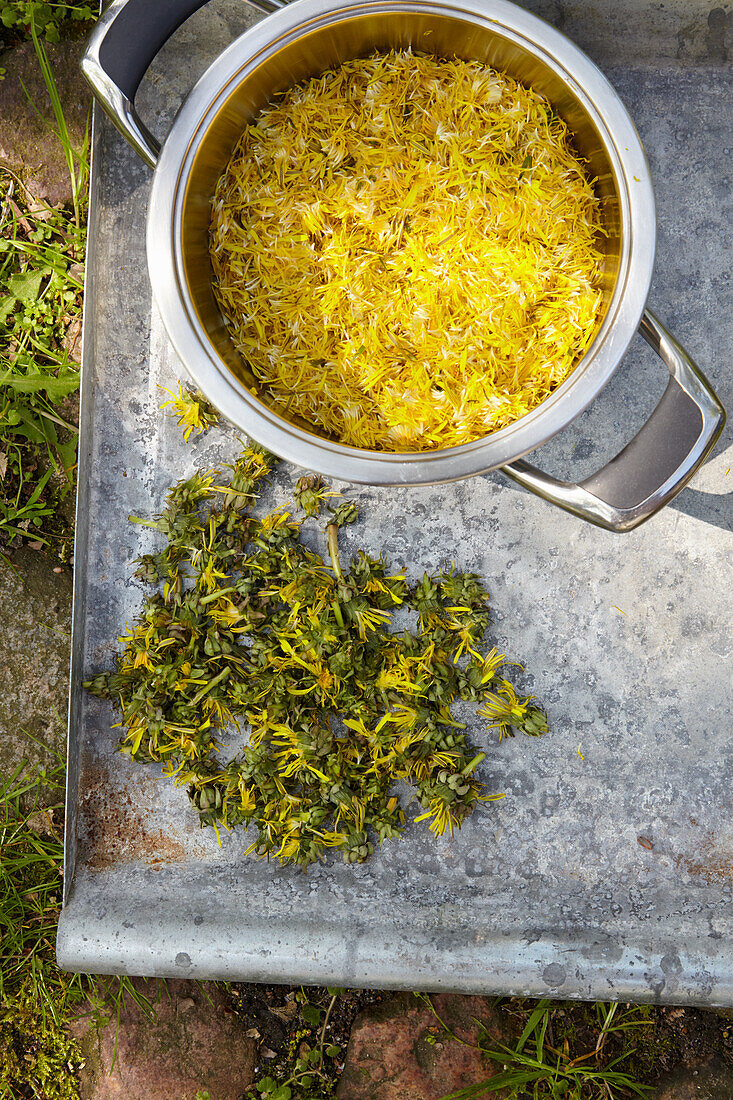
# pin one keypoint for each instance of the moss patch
(38, 1059)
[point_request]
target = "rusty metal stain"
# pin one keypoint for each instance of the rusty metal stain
(111, 831)
(710, 863)
(715, 871)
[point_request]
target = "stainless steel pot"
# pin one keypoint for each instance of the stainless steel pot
(303, 39)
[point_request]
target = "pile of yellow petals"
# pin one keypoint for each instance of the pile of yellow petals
(407, 252)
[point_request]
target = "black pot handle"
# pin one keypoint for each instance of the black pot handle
(120, 49)
(660, 459)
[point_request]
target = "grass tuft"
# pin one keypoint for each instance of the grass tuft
(37, 1056)
(42, 251)
(535, 1069)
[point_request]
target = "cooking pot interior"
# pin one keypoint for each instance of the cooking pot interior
(308, 52)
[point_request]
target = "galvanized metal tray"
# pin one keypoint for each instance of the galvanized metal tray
(627, 639)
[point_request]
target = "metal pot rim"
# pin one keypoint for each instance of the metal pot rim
(331, 458)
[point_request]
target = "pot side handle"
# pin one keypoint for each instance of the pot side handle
(120, 49)
(659, 460)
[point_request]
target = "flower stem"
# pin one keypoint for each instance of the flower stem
(333, 551)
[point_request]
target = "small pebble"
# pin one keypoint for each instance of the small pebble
(57, 569)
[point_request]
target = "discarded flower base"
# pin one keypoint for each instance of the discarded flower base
(251, 626)
(193, 412)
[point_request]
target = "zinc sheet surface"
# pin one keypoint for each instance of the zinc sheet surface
(626, 639)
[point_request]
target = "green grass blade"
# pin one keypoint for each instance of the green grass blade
(53, 92)
(540, 1035)
(509, 1079)
(541, 1010)
(40, 486)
